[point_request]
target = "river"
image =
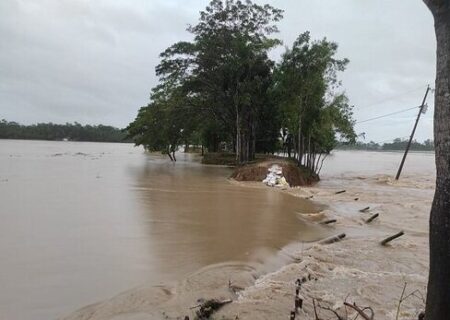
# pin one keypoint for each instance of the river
(82, 222)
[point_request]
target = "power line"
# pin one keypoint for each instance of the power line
(385, 115)
(392, 97)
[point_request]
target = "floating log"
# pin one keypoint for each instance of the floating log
(328, 221)
(356, 199)
(332, 239)
(389, 239)
(372, 218)
(342, 191)
(364, 209)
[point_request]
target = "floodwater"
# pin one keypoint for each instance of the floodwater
(82, 222)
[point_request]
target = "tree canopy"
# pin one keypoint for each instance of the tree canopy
(52, 131)
(223, 91)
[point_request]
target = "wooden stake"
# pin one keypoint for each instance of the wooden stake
(298, 303)
(389, 239)
(328, 221)
(332, 239)
(372, 218)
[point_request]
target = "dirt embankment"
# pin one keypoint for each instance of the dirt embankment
(294, 175)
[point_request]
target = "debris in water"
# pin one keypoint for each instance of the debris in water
(328, 221)
(208, 307)
(333, 239)
(389, 239)
(372, 218)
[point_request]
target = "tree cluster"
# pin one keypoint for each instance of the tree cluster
(396, 144)
(222, 90)
(69, 131)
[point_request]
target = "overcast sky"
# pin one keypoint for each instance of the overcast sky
(93, 61)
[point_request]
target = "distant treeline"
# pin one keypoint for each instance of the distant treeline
(397, 144)
(68, 131)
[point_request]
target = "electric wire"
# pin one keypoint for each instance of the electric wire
(386, 115)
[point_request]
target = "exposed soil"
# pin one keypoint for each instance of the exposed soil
(257, 171)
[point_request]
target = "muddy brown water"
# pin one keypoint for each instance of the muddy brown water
(82, 222)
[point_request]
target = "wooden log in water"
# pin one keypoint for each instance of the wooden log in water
(342, 191)
(332, 239)
(373, 217)
(364, 209)
(389, 239)
(328, 221)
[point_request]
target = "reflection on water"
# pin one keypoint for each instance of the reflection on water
(81, 222)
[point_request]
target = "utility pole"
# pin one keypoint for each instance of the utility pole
(412, 134)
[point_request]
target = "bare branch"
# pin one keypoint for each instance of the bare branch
(361, 311)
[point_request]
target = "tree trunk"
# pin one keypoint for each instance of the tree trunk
(238, 139)
(253, 142)
(299, 150)
(438, 293)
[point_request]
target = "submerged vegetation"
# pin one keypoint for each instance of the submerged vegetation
(222, 91)
(68, 131)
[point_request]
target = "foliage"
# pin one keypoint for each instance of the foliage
(225, 75)
(397, 144)
(221, 89)
(51, 131)
(314, 116)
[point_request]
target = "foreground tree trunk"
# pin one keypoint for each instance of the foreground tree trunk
(438, 296)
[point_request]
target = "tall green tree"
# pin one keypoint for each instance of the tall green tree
(229, 92)
(312, 112)
(227, 67)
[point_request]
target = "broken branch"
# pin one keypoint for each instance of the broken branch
(361, 311)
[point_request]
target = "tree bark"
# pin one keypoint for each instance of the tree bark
(438, 293)
(238, 139)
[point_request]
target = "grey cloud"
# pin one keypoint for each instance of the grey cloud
(93, 61)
